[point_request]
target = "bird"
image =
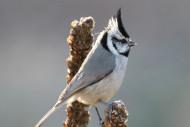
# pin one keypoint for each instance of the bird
(102, 72)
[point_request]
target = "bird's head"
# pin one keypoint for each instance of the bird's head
(115, 38)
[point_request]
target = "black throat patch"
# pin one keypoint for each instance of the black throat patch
(126, 53)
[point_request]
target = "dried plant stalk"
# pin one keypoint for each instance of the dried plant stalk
(116, 115)
(80, 42)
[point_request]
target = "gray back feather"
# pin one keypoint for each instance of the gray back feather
(98, 64)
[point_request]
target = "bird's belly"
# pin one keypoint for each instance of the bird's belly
(103, 90)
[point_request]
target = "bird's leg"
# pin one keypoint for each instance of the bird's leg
(99, 116)
(110, 113)
(108, 105)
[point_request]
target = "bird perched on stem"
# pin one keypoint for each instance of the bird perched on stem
(102, 72)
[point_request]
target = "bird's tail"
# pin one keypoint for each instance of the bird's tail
(48, 114)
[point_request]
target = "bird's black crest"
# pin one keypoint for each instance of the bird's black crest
(120, 24)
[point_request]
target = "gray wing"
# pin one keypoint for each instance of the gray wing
(98, 64)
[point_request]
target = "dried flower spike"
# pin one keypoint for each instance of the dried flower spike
(116, 115)
(80, 41)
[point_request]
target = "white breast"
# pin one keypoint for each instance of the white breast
(105, 89)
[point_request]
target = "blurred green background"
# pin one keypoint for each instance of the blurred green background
(33, 50)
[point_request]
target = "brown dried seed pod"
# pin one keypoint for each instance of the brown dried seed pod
(80, 40)
(74, 24)
(116, 115)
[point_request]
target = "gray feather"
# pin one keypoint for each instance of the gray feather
(98, 64)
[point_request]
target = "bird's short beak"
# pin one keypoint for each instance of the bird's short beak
(131, 43)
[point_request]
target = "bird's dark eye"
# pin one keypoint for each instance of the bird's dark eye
(122, 41)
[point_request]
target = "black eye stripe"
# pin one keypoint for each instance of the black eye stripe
(123, 41)
(115, 39)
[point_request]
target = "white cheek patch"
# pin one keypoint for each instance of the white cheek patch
(119, 47)
(122, 48)
(111, 47)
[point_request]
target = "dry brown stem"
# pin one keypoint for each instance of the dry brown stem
(80, 42)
